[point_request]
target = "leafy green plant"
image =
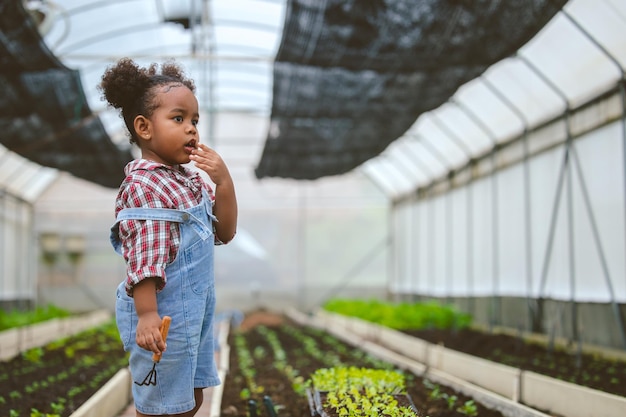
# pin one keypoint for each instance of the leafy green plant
(468, 408)
(58, 407)
(36, 413)
(434, 390)
(91, 365)
(246, 364)
(401, 316)
(16, 318)
(329, 379)
(450, 400)
(33, 355)
(352, 391)
(245, 394)
(280, 361)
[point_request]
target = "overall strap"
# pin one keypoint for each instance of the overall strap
(170, 215)
(208, 204)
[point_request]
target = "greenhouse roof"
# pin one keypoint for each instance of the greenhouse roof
(23, 179)
(578, 56)
(406, 91)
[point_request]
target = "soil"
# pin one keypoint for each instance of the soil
(63, 378)
(278, 388)
(593, 371)
(588, 370)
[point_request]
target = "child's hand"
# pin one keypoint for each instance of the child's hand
(149, 333)
(210, 162)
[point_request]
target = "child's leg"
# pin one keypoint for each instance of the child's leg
(198, 396)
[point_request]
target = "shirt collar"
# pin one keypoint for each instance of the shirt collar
(148, 165)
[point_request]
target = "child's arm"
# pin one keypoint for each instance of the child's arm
(148, 326)
(225, 208)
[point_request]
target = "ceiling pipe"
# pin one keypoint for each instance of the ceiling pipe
(450, 134)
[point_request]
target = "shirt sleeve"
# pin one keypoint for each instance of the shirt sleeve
(146, 250)
(146, 244)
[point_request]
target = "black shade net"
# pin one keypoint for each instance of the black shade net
(44, 115)
(351, 76)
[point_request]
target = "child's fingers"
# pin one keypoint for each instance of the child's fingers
(149, 335)
(152, 341)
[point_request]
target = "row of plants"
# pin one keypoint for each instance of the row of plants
(18, 318)
(56, 379)
(360, 392)
(443, 325)
(401, 316)
(288, 365)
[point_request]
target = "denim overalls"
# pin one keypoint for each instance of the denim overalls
(189, 298)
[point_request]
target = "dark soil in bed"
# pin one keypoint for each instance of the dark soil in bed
(298, 342)
(68, 373)
(56, 379)
(566, 363)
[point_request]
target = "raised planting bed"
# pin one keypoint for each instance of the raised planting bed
(558, 380)
(433, 324)
(17, 339)
(57, 378)
(597, 370)
(272, 359)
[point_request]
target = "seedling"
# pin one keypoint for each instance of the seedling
(352, 391)
(451, 400)
(33, 355)
(469, 408)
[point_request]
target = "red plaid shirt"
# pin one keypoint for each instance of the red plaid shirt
(149, 246)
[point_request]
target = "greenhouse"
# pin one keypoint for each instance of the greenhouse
(384, 153)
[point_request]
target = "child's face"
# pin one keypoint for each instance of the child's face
(173, 126)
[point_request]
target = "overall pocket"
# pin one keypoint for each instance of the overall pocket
(125, 316)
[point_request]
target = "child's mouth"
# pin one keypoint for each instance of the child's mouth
(190, 146)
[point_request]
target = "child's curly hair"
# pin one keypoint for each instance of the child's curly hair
(130, 88)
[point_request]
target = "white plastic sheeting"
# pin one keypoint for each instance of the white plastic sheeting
(21, 179)
(21, 184)
(515, 189)
(471, 241)
(579, 55)
(228, 47)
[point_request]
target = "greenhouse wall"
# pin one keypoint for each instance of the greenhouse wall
(17, 272)
(539, 247)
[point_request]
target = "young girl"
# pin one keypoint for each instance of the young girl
(167, 222)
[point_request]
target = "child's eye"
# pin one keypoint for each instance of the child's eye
(178, 118)
(195, 122)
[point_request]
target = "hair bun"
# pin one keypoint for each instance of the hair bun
(124, 83)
